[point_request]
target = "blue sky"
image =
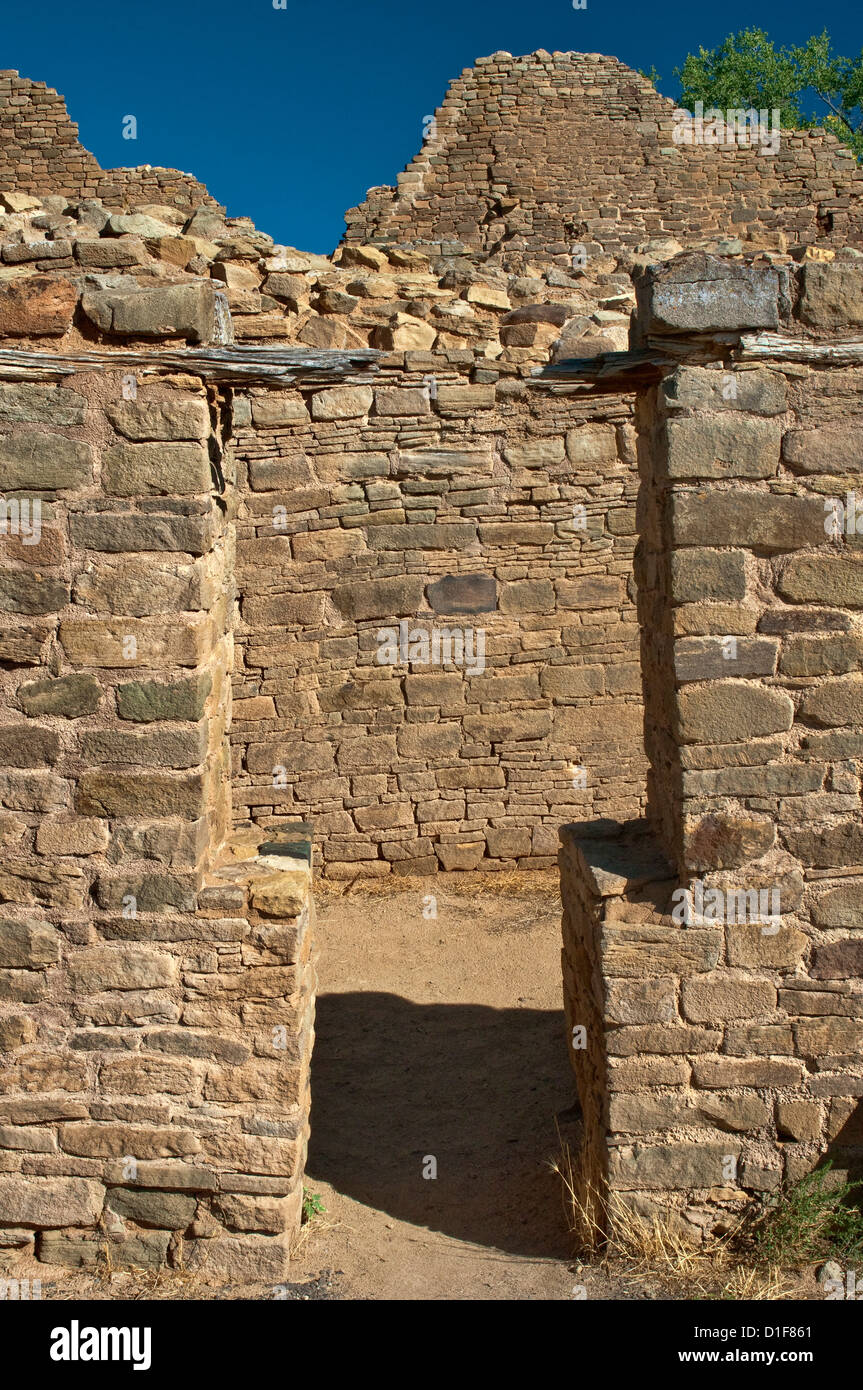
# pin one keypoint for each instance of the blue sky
(289, 115)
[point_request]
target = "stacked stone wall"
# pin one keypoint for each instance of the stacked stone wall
(541, 152)
(445, 498)
(40, 153)
(156, 975)
(726, 975)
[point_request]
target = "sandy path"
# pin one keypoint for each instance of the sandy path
(439, 1038)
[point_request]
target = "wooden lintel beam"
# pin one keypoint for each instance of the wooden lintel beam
(235, 365)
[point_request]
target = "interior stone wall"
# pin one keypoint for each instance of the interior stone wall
(447, 499)
(723, 1047)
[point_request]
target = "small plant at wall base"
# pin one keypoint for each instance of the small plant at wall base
(748, 70)
(313, 1205)
(814, 1219)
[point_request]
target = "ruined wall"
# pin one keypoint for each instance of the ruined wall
(539, 152)
(724, 1047)
(446, 497)
(40, 153)
(156, 977)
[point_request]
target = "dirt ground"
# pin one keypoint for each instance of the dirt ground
(440, 1044)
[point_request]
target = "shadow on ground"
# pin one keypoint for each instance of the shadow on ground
(476, 1088)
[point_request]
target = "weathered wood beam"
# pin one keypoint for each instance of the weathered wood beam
(240, 365)
(644, 366)
(609, 372)
(759, 347)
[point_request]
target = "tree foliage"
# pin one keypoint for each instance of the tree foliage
(808, 83)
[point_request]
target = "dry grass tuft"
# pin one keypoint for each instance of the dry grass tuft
(654, 1249)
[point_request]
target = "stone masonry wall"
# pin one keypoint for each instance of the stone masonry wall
(727, 1041)
(540, 152)
(40, 153)
(156, 979)
(448, 499)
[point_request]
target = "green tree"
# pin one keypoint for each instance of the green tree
(809, 83)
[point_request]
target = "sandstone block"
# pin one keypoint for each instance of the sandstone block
(136, 531)
(439, 463)
(715, 1073)
(641, 1001)
(124, 642)
(526, 596)
(170, 419)
(821, 656)
(33, 594)
(707, 574)
(635, 952)
(395, 400)
(342, 403)
(535, 453)
(28, 745)
(379, 598)
(279, 408)
(754, 519)
(333, 544)
(592, 444)
(699, 293)
(832, 295)
(68, 696)
(726, 711)
(463, 593)
(147, 701)
(840, 907)
(834, 579)
(837, 960)
(722, 446)
(77, 836)
(36, 308)
(708, 998)
(591, 591)
(41, 1203)
(28, 944)
(96, 968)
(116, 1140)
(750, 945)
(514, 533)
(429, 740)
(169, 1211)
(464, 855)
(799, 1120)
(134, 470)
(828, 449)
(440, 535)
(175, 748)
(184, 311)
(818, 1037)
(670, 1038)
(506, 727)
(148, 795)
(670, 1166)
(707, 658)
(756, 391)
(41, 405)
